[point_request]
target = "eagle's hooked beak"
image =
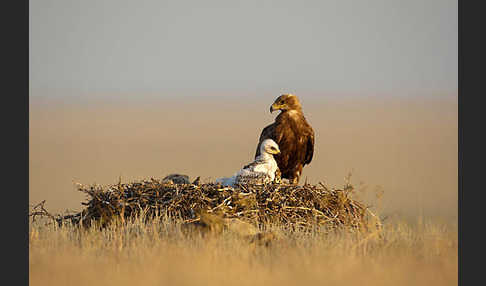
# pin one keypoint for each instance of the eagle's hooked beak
(274, 107)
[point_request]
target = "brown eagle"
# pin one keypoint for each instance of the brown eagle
(294, 136)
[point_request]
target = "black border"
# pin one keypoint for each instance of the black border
(15, 135)
(471, 64)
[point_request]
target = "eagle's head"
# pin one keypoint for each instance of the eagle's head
(286, 102)
(269, 146)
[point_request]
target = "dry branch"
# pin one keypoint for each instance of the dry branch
(295, 206)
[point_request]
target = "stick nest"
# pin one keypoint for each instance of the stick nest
(295, 206)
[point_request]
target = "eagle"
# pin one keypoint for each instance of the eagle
(260, 171)
(294, 136)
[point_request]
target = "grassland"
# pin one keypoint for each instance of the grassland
(422, 252)
(407, 147)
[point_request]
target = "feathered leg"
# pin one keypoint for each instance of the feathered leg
(296, 175)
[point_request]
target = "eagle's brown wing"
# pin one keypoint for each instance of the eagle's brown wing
(310, 147)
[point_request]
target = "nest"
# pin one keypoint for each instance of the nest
(294, 206)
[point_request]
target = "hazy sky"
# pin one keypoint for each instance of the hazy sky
(311, 46)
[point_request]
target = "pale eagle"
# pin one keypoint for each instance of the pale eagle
(260, 171)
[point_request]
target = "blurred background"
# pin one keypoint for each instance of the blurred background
(139, 89)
